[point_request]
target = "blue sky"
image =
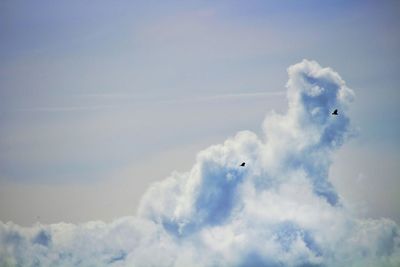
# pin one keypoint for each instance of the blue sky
(98, 100)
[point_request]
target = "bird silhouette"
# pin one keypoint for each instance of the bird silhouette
(335, 112)
(243, 163)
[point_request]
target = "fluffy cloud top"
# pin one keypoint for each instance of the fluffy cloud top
(278, 210)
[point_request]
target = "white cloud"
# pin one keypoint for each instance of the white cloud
(278, 210)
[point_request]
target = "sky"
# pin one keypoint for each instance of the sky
(123, 124)
(98, 100)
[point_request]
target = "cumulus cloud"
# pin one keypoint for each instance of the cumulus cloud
(278, 210)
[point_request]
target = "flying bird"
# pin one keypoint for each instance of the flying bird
(334, 112)
(243, 163)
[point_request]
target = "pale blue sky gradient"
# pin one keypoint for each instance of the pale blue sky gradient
(99, 98)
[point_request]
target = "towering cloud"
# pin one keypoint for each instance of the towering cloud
(278, 210)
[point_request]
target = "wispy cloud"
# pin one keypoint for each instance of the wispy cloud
(64, 108)
(121, 100)
(181, 98)
(244, 95)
